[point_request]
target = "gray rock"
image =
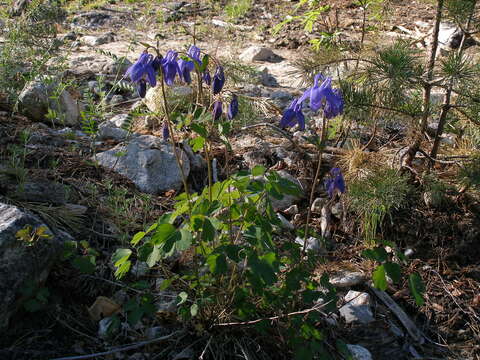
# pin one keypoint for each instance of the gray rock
(42, 191)
(23, 262)
(116, 66)
(139, 269)
(287, 200)
(258, 53)
(408, 252)
(98, 40)
(337, 210)
(149, 162)
(267, 79)
(111, 129)
(347, 279)
(197, 162)
(359, 352)
(313, 244)
(352, 313)
(357, 298)
(36, 98)
(90, 19)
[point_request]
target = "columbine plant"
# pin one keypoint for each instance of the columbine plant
(330, 101)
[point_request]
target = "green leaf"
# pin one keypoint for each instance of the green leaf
(154, 256)
(394, 271)
(199, 129)
(379, 278)
(120, 256)
(194, 310)
(186, 240)
(197, 143)
(205, 61)
(85, 264)
(217, 263)
(183, 297)
(137, 237)
(378, 254)
(417, 288)
(263, 269)
(258, 170)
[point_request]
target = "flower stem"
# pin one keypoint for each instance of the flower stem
(172, 139)
(314, 184)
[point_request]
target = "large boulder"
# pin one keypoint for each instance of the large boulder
(23, 262)
(149, 162)
(38, 96)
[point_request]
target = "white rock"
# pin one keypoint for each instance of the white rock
(103, 326)
(292, 210)
(347, 279)
(352, 313)
(359, 352)
(285, 223)
(357, 298)
(317, 205)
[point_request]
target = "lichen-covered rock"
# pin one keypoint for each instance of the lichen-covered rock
(39, 95)
(149, 162)
(21, 261)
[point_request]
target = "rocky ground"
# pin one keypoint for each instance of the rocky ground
(105, 199)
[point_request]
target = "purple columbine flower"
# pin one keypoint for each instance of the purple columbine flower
(324, 97)
(218, 80)
(184, 69)
(335, 182)
(141, 72)
(194, 54)
(293, 115)
(217, 110)
(233, 107)
(142, 88)
(165, 131)
(170, 67)
(207, 79)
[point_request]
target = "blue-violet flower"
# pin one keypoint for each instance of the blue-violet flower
(293, 115)
(217, 110)
(233, 107)
(335, 182)
(218, 80)
(170, 67)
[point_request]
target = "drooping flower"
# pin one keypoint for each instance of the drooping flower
(218, 80)
(184, 69)
(293, 115)
(217, 110)
(233, 107)
(207, 79)
(194, 54)
(165, 131)
(143, 71)
(335, 182)
(170, 67)
(324, 97)
(142, 88)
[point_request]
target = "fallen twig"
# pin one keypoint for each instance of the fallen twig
(412, 329)
(119, 349)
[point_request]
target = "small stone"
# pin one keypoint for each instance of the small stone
(359, 352)
(258, 53)
(297, 218)
(313, 244)
(116, 99)
(347, 279)
(292, 210)
(408, 252)
(356, 313)
(357, 298)
(285, 223)
(98, 40)
(317, 205)
(103, 326)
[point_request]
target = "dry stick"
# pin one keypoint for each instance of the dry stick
(427, 87)
(448, 93)
(317, 173)
(119, 349)
(251, 322)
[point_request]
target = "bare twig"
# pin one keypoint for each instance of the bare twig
(119, 349)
